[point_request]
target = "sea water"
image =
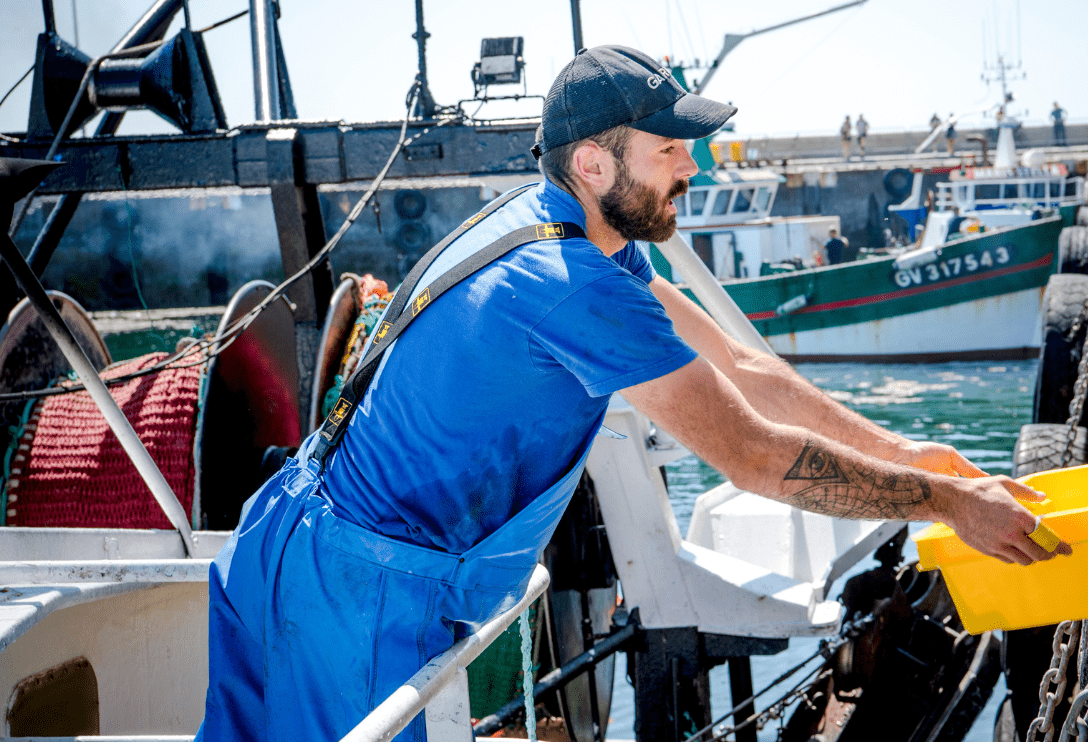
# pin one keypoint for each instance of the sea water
(976, 407)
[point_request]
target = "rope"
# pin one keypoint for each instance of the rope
(207, 348)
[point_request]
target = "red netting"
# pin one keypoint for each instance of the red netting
(71, 471)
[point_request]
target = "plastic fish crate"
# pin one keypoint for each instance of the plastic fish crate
(990, 594)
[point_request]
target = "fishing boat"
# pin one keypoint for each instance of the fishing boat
(981, 258)
(103, 581)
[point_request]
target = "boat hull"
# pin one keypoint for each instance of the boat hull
(978, 299)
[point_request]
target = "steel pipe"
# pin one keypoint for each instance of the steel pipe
(558, 678)
(266, 87)
(94, 385)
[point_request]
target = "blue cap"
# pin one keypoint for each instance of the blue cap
(609, 86)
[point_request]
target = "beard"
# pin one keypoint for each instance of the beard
(636, 211)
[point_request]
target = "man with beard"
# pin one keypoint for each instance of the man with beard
(365, 557)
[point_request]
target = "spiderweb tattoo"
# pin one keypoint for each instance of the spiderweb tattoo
(832, 486)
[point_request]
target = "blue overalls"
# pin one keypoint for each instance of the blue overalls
(315, 620)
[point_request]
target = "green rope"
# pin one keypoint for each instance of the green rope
(16, 432)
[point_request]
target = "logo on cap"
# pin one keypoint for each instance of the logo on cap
(655, 80)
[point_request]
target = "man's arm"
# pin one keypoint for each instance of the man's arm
(707, 413)
(781, 395)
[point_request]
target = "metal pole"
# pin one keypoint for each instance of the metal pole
(718, 304)
(576, 23)
(266, 87)
(559, 678)
(425, 105)
(94, 385)
(50, 18)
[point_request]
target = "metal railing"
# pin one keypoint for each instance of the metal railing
(440, 688)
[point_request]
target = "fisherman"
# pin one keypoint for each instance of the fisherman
(345, 576)
(835, 247)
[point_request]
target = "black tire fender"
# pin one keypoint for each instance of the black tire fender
(1060, 354)
(1040, 447)
(898, 182)
(1073, 250)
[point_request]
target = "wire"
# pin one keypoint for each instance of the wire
(17, 82)
(208, 348)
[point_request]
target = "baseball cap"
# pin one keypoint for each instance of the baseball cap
(609, 86)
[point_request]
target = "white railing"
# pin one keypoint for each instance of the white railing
(440, 688)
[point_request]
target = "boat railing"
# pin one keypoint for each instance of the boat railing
(1036, 192)
(440, 688)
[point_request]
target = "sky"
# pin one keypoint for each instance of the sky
(896, 61)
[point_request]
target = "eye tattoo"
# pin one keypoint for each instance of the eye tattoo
(835, 487)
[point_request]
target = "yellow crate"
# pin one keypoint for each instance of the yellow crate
(990, 594)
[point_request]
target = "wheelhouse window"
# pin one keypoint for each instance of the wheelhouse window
(681, 204)
(987, 191)
(1055, 189)
(721, 202)
(763, 199)
(1011, 191)
(698, 201)
(743, 201)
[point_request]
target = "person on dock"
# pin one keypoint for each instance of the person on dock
(844, 132)
(346, 574)
(1058, 114)
(863, 131)
(950, 136)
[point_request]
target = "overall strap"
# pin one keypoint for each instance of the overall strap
(397, 319)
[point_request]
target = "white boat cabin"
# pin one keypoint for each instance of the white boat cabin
(1000, 197)
(729, 226)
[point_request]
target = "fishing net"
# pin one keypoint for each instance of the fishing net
(69, 470)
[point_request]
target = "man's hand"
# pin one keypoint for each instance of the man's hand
(984, 512)
(937, 458)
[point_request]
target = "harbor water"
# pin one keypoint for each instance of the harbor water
(976, 407)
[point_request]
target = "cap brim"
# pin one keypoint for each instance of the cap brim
(691, 117)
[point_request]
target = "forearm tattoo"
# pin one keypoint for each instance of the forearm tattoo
(832, 486)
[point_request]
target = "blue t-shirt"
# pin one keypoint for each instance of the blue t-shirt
(488, 397)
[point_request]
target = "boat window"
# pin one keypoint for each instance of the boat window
(681, 204)
(701, 244)
(1038, 190)
(1070, 188)
(1055, 189)
(698, 201)
(1010, 191)
(961, 193)
(721, 203)
(744, 200)
(763, 199)
(987, 191)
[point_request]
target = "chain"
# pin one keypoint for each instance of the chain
(1065, 637)
(1080, 388)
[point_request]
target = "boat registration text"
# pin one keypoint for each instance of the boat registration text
(980, 261)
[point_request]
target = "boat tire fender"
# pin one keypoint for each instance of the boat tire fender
(1060, 354)
(1073, 249)
(898, 182)
(1040, 447)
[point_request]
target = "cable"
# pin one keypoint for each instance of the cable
(208, 348)
(12, 88)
